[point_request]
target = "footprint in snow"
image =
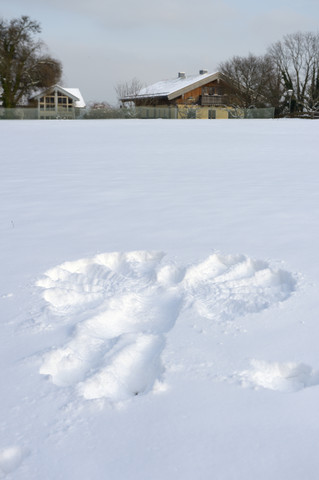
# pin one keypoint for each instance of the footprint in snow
(282, 377)
(11, 458)
(124, 304)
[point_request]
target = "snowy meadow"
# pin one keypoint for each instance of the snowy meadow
(159, 299)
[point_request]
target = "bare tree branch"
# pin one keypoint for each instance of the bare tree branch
(297, 58)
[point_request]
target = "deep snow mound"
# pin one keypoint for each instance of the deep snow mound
(283, 377)
(123, 305)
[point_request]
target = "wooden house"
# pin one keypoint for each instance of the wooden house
(206, 93)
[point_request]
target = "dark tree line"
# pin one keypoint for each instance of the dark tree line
(286, 77)
(25, 66)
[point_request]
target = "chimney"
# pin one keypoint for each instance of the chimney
(181, 75)
(203, 72)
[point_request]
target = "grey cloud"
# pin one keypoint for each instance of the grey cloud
(129, 14)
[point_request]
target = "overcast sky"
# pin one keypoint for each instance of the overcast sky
(105, 42)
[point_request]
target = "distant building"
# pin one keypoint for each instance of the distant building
(187, 93)
(58, 102)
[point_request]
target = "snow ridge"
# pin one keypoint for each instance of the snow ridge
(123, 305)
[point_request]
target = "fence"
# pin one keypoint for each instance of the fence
(259, 112)
(250, 113)
(18, 113)
(203, 112)
(25, 113)
(147, 112)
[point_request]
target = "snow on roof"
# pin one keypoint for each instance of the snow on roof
(176, 86)
(80, 103)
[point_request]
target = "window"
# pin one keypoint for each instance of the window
(212, 91)
(64, 102)
(56, 101)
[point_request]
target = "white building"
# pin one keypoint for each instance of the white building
(59, 102)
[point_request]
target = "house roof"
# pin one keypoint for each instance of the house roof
(80, 103)
(175, 87)
(74, 93)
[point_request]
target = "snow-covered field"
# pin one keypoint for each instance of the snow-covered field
(159, 300)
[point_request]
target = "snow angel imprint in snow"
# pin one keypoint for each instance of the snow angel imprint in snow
(122, 306)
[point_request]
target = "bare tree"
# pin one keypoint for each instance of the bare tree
(24, 64)
(252, 80)
(297, 59)
(313, 90)
(128, 90)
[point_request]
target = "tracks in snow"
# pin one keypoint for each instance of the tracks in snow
(123, 305)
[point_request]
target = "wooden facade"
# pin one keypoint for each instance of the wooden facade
(214, 93)
(200, 90)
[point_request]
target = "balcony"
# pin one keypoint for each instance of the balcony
(211, 100)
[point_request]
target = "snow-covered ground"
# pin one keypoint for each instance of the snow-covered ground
(159, 300)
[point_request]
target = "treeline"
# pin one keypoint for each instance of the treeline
(286, 77)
